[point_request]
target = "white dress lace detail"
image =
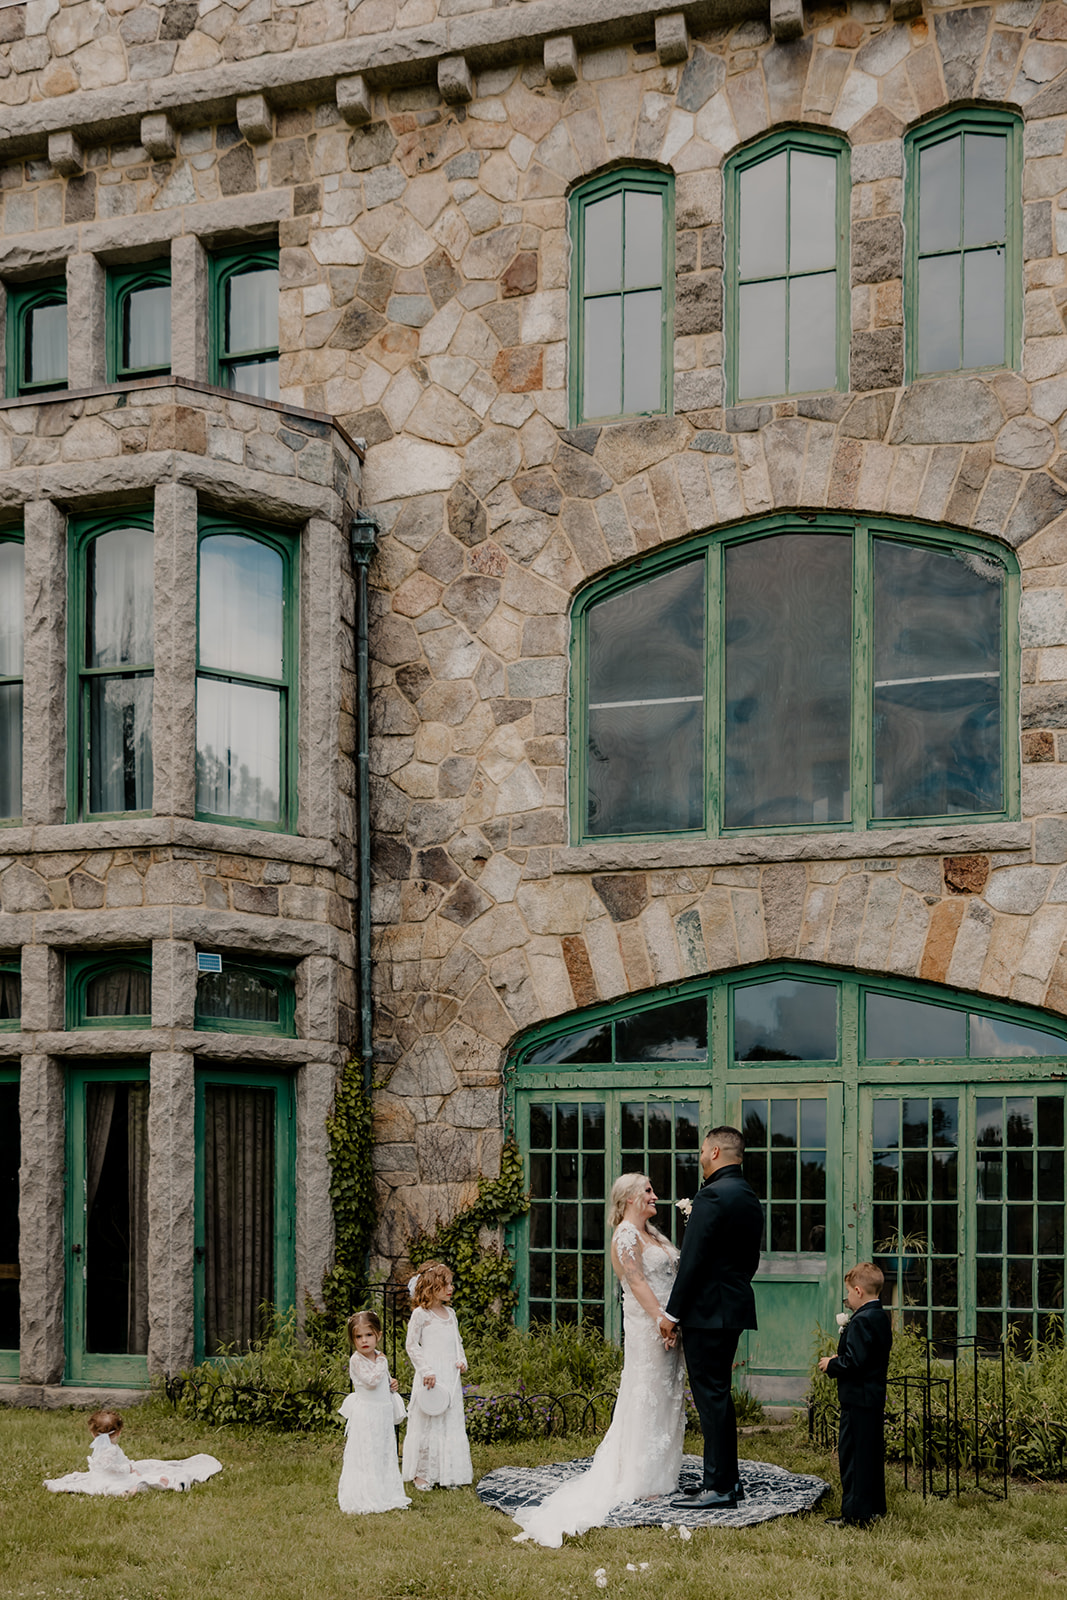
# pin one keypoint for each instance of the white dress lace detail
(641, 1453)
(370, 1475)
(436, 1448)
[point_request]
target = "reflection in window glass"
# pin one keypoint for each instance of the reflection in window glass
(785, 1162)
(248, 337)
(586, 1045)
(621, 306)
(237, 994)
(668, 1033)
(146, 329)
(915, 1195)
(12, 612)
(45, 345)
(116, 670)
(899, 1029)
(1020, 1235)
(785, 1020)
(992, 1036)
(568, 1193)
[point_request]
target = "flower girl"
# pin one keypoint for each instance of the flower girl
(435, 1446)
(112, 1472)
(370, 1477)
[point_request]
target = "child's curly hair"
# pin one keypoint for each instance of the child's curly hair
(429, 1281)
(104, 1422)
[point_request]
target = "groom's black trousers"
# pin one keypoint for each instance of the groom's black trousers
(709, 1360)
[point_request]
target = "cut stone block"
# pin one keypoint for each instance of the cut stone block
(454, 80)
(65, 154)
(255, 118)
(158, 137)
(561, 59)
(672, 38)
(354, 99)
(787, 19)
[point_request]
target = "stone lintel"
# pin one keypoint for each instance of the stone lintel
(787, 19)
(158, 136)
(672, 38)
(354, 99)
(455, 80)
(561, 59)
(255, 118)
(65, 153)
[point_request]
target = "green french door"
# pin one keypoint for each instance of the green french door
(244, 1245)
(107, 1223)
(9, 1222)
(578, 1143)
(793, 1160)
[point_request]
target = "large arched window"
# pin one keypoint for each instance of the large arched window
(829, 673)
(787, 203)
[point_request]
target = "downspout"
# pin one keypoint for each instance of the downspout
(362, 535)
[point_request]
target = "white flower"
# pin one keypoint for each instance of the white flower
(630, 1567)
(685, 1533)
(685, 1207)
(666, 1527)
(843, 1319)
(601, 1578)
(644, 1566)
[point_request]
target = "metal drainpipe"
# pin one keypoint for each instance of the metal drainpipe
(362, 535)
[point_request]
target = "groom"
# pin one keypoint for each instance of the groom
(712, 1299)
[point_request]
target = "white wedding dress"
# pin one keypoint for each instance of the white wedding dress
(641, 1453)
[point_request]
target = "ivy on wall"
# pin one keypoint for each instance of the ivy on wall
(484, 1272)
(352, 1196)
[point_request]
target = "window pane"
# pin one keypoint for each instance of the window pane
(669, 1033)
(252, 311)
(646, 769)
(602, 374)
(116, 1218)
(642, 352)
(12, 608)
(939, 195)
(812, 211)
(46, 344)
(761, 340)
(119, 599)
(146, 328)
(983, 308)
(588, 1045)
(813, 333)
(239, 1203)
(119, 992)
(905, 1029)
(762, 243)
(11, 998)
(120, 744)
(787, 1020)
(644, 239)
(10, 749)
(788, 710)
(984, 186)
(10, 1157)
(238, 739)
(939, 314)
(991, 1036)
(237, 995)
(241, 606)
(255, 377)
(647, 643)
(603, 245)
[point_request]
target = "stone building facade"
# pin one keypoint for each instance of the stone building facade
(873, 984)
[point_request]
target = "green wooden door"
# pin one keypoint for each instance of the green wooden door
(107, 1224)
(793, 1161)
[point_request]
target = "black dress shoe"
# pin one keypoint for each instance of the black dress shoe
(739, 1491)
(710, 1500)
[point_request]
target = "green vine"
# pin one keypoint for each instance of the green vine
(349, 1130)
(484, 1274)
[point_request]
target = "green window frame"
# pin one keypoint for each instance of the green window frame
(684, 715)
(612, 289)
(29, 340)
(130, 974)
(963, 246)
(10, 994)
(12, 627)
(787, 279)
(244, 336)
(274, 977)
(10, 1154)
(110, 700)
(237, 697)
(130, 354)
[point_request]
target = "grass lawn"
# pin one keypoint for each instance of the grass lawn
(268, 1525)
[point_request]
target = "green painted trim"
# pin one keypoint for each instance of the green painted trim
(83, 1366)
(21, 300)
(819, 143)
(280, 977)
(80, 972)
(81, 533)
(284, 1184)
(222, 266)
(11, 536)
(121, 283)
(647, 180)
(287, 546)
(973, 119)
(9, 1358)
(709, 547)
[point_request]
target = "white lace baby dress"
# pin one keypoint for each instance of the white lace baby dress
(370, 1474)
(112, 1472)
(436, 1448)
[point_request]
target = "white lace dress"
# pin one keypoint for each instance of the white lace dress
(436, 1448)
(112, 1472)
(641, 1453)
(370, 1475)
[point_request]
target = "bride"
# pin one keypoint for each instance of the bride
(641, 1453)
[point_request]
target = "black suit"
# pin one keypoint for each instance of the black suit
(712, 1299)
(861, 1367)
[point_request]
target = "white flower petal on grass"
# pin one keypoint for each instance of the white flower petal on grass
(601, 1578)
(644, 1566)
(685, 1533)
(630, 1567)
(666, 1527)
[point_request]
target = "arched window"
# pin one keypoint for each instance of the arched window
(245, 997)
(829, 674)
(244, 320)
(787, 204)
(12, 612)
(245, 699)
(622, 292)
(112, 638)
(37, 336)
(112, 991)
(963, 227)
(138, 325)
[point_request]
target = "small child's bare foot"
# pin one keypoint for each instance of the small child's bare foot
(420, 1483)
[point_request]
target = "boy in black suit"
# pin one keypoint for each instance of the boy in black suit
(861, 1367)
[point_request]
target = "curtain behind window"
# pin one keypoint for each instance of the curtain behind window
(238, 1213)
(120, 992)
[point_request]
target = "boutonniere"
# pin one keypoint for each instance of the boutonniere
(843, 1319)
(685, 1207)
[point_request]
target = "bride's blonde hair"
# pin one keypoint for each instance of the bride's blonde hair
(623, 1190)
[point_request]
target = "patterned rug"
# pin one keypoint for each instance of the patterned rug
(769, 1492)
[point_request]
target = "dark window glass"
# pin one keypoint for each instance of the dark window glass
(669, 1033)
(900, 1029)
(785, 1020)
(117, 669)
(12, 612)
(10, 1157)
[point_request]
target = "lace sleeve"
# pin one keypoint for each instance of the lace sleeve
(413, 1343)
(628, 1252)
(366, 1371)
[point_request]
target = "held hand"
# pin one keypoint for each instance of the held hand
(428, 1380)
(667, 1331)
(394, 1384)
(461, 1366)
(824, 1362)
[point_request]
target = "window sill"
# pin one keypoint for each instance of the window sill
(135, 832)
(646, 855)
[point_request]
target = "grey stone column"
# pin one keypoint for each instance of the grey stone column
(86, 316)
(314, 1217)
(174, 692)
(42, 1231)
(44, 741)
(321, 627)
(316, 999)
(189, 345)
(43, 990)
(171, 1203)
(173, 983)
